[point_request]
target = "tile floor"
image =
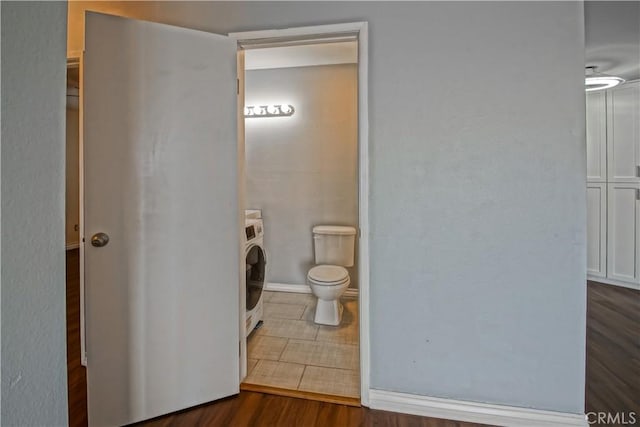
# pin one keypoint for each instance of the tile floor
(291, 351)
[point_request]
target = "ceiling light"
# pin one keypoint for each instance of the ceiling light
(598, 81)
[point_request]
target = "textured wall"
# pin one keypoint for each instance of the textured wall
(302, 171)
(34, 375)
(477, 202)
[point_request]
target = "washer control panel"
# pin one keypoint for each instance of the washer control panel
(253, 229)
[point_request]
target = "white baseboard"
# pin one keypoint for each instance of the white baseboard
(474, 412)
(351, 293)
(287, 287)
(72, 246)
(613, 282)
(302, 289)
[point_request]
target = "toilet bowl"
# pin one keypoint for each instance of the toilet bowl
(328, 283)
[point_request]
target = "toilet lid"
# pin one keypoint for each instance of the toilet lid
(328, 273)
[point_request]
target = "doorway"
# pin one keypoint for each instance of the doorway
(76, 372)
(72, 158)
(301, 171)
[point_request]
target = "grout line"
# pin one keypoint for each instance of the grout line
(330, 367)
(283, 349)
(301, 376)
(356, 371)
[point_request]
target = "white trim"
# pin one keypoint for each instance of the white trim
(302, 32)
(302, 289)
(474, 412)
(244, 246)
(359, 28)
(363, 209)
(287, 287)
(72, 246)
(613, 282)
(351, 293)
(83, 335)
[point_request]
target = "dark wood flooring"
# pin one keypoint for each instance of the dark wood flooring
(267, 410)
(76, 373)
(613, 375)
(613, 349)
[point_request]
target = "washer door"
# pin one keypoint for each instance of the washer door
(256, 262)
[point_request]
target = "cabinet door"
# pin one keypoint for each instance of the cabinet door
(623, 232)
(623, 128)
(597, 229)
(596, 137)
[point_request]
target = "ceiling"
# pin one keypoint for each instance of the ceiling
(302, 55)
(612, 37)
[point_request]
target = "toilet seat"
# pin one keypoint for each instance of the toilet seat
(328, 275)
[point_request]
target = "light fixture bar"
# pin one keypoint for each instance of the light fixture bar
(279, 110)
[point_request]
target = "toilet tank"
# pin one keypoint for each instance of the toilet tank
(334, 244)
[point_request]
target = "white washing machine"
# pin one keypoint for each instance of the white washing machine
(256, 263)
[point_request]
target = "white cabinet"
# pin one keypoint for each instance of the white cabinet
(596, 137)
(623, 133)
(597, 229)
(613, 185)
(623, 232)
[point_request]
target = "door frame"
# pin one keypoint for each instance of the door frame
(307, 34)
(77, 58)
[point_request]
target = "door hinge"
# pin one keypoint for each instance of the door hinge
(238, 86)
(638, 171)
(637, 193)
(239, 348)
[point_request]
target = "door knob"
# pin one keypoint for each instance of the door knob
(99, 240)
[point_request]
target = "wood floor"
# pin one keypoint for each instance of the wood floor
(265, 410)
(76, 373)
(613, 349)
(613, 375)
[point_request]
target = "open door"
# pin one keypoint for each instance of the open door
(161, 183)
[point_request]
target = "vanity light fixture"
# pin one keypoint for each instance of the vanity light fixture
(598, 81)
(280, 110)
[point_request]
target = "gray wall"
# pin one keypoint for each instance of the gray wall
(477, 191)
(477, 161)
(302, 170)
(34, 375)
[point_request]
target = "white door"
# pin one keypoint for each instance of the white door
(596, 136)
(623, 138)
(597, 229)
(623, 232)
(160, 174)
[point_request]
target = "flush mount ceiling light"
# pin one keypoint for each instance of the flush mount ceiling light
(283, 110)
(598, 81)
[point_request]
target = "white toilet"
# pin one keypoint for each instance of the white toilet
(334, 250)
